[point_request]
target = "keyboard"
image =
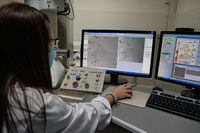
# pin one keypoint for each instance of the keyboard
(180, 105)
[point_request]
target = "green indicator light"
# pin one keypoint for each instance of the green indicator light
(171, 39)
(159, 76)
(168, 43)
(165, 39)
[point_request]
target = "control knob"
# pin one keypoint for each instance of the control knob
(78, 77)
(86, 85)
(75, 84)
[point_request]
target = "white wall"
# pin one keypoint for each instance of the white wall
(123, 15)
(126, 15)
(188, 14)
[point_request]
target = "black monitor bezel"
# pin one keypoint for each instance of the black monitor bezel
(187, 85)
(121, 31)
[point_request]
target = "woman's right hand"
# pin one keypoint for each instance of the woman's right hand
(123, 91)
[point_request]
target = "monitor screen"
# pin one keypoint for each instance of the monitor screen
(179, 58)
(120, 52)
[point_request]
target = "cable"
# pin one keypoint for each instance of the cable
(153, 82)
(184, 92)
(70, 11)
(192, 93)
(65, 65)
(135, 78)
(67, 11)
(168, 14)
(195, 93)
(62, 13)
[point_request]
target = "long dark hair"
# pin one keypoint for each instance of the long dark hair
(24, 40)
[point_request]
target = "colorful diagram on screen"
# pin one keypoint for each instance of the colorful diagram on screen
(186, 51)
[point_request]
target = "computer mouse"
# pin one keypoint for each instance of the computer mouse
(129, 97)
(157, 88)
(130, 94)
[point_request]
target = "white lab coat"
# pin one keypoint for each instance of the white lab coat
(61, 116)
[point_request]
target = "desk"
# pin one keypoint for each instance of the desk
(149, 119)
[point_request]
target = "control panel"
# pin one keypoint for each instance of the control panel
(84, 79)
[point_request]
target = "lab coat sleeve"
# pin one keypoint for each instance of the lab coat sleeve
(75, 117)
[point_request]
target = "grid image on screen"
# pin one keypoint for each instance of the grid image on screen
(120, 52)
(180, 58)
(129, 50)
(101, 55)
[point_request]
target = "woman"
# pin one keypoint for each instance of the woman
(26, 100)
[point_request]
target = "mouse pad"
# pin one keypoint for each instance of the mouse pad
(138, 99)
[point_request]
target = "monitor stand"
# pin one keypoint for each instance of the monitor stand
(114, 79)
(195, 93)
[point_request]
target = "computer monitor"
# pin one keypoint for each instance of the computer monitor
(120, 52)
(179, 59)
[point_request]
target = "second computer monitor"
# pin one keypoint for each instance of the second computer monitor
(120, 52)
(179, 59)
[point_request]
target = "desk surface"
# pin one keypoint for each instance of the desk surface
(149, 119)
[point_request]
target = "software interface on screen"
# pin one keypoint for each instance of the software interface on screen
(118, 52)
(180, 58)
